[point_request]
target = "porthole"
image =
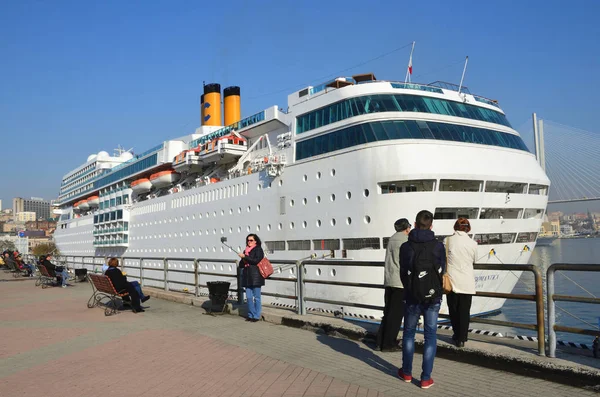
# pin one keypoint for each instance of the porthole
(304, 201)
(367, 219)
(214, 213)
(200, 215)
(175, 220)
(239, 210)
(248, 228)
(305, 178)
(222, 212)
(333, 222)
(318, 272)
(333, 172)
(291, 225)
(269, 227)
(291, 203)
(258, 187)
(280, 182)
(207, 215)
(280, 226)
(304, 224)
(333, 272)
(231, 211)
(318, 223)
(348, 221)
(248, 209)
(230, 230)
(214, 250)
(239, 229)
(258, 228)
(222, 231)
(199, 232)
(258, 207)
(318, 199)
(319, 175)
(181, 219)
(332, 197)
(366, 193)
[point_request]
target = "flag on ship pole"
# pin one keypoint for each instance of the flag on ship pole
(409, 68)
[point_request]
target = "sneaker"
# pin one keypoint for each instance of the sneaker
(426, 384)
(64, 286)
(406, 378)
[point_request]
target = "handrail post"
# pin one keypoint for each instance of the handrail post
(196, 279)
(551, 312)
(142, 272)
(539, 311)
(240, 288)
(165, 274)
(300, 288)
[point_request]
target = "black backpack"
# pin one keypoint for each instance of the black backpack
(425, 279)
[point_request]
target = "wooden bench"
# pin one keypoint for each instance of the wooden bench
(103, 288)
(45, 279)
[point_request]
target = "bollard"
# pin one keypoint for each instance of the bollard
(166, 274)
(300, 288)
(196, 278)
(240, 289)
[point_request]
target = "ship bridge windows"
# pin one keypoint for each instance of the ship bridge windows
(460, 185)
(273, 246)
(416, 185)
(505, 187)
(395, 103)
(541, 190)
(495, 238)
(327, 244)
(455, 213)
(361, 243)
(299, 245)
(527, 237)
(377, 131)
(533, 213)
(500, 213)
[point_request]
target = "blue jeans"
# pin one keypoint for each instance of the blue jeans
(411, 317)
(138, 288)
(254, 306)
(64, 276)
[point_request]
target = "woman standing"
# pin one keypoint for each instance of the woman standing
(461, 255)
(251, 277)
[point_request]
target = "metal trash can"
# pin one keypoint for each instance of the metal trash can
(218, 292)
(80, 274)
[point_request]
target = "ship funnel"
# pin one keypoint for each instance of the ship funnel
(231, 103)
(202, 109)
(212, 105)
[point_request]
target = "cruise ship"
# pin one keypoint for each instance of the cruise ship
(326, 175)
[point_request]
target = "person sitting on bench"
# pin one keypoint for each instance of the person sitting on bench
(138, 287)
(121, 284)
(58, 271)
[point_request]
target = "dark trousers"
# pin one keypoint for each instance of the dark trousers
(134, 296)
(459, 308)
(393, 313)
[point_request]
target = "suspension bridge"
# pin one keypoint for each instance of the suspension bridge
(570, 157)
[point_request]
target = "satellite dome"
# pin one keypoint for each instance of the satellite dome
(126, 156)
(102, 155)
(91, 157)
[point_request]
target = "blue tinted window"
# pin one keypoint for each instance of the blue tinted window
(394, 103)
(396, 129)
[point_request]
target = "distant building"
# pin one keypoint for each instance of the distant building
(35, 204)
(566, 230)
(550, 229)
(25, 217)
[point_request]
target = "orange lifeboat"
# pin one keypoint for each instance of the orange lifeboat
(83, 205)
(164, 179)
(142, 185)
(93, 201)
(76, 207)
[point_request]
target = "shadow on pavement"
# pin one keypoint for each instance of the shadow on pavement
(354, 349)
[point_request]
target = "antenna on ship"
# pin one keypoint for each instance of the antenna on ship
(409, 68)
(120, 150)
(463, 74)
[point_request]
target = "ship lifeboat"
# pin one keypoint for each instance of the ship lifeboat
(164, 179)
(141, 185)
(83, 205)
(76, 208)
(93, 201)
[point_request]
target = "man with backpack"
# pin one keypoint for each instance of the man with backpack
(422, 263)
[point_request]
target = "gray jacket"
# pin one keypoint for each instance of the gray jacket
(391, 277)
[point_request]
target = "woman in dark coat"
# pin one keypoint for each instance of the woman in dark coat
(251, 277)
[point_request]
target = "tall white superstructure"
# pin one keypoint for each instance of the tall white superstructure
(329, 174)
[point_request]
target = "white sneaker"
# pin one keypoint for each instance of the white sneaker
(64, 286)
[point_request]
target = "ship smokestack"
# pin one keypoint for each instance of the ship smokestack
(232, 105)
(212, 105)
(202, 109)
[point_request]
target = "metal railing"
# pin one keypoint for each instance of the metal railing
(299, 277)
(552, 298)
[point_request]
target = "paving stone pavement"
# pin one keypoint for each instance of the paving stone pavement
(53, 345)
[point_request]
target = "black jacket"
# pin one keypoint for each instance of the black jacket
(251, 275)
(50, 267)
(118, 279)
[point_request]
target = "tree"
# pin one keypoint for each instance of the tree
(7, 245)
(45, 248)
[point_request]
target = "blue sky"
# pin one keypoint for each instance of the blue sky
(80, 77)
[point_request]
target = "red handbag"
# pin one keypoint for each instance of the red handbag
(265, 268)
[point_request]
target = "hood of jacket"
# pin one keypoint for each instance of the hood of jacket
(421, 235)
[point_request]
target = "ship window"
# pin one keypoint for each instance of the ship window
(361, 243)
(455, 185)
(112, 202)
(273, 246)
(495, 238)
(541, 190)
(299, 245)
(119, 214)
(526, 237)
(396, 103)
(505, 187)
(500, 213)
(533, 213)
(395, 129)
(455, 213)
(327, 244)
(119, 200)
(418, 185)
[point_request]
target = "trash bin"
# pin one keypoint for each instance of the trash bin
(80, 274)
(218, 292)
